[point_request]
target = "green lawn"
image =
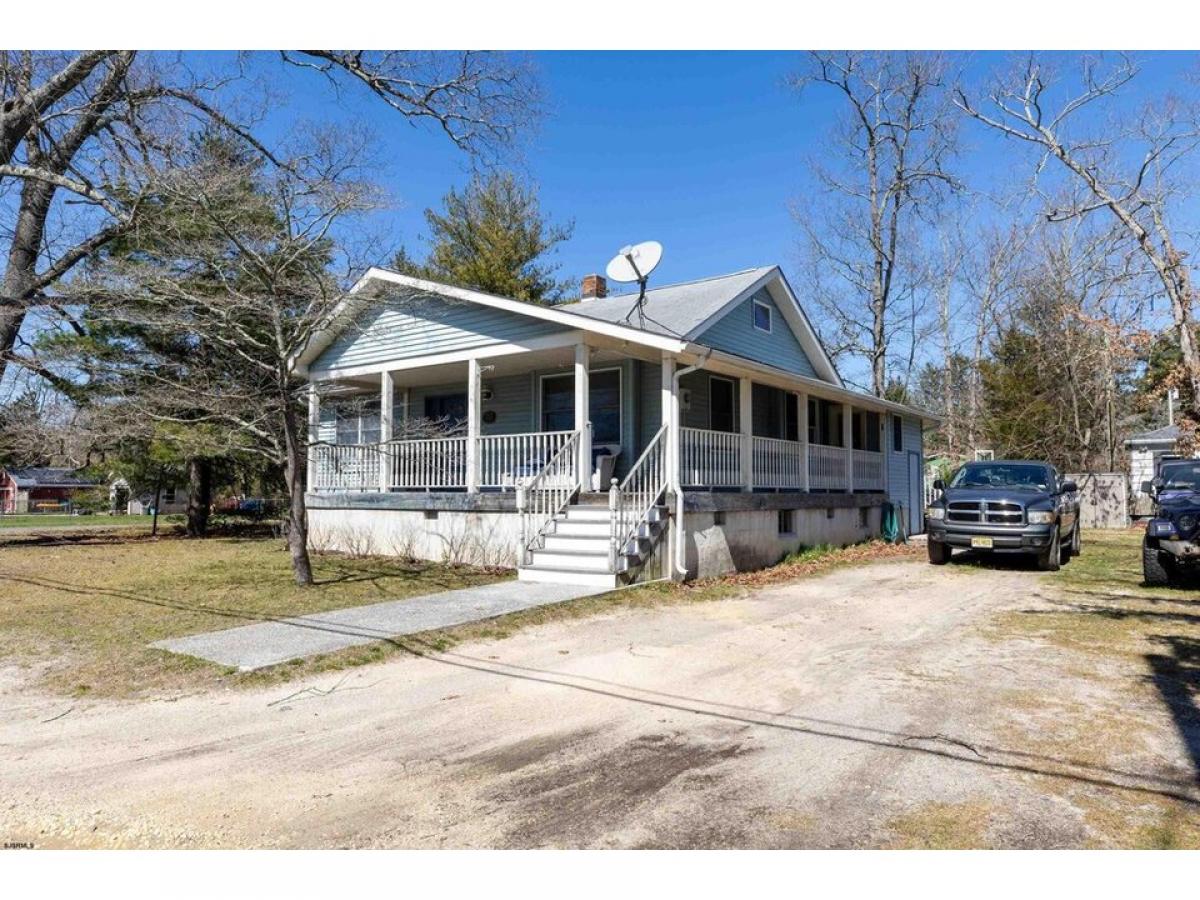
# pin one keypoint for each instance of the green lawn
(56, 521)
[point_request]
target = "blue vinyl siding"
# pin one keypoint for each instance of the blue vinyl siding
(398, 329)
(735, 333)
(899, 490)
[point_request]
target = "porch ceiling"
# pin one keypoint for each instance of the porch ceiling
(510, 364)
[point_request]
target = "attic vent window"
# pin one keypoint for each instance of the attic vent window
(762, 317)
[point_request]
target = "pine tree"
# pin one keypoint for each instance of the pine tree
(492, 237)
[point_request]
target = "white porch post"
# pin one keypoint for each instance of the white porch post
(473, 401)
(848, 442)
(670, 417)
(387, 396)
(314, 434)
(802, 435)
(746, 427)
(583, 415)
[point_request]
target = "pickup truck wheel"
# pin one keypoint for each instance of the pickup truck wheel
(1154, 572)
(939, 553)
(1052, 558)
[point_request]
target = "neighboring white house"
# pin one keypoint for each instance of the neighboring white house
(1145, 450)
(172, 499)
(591, 442)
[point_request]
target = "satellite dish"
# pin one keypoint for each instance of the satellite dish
(635, 263)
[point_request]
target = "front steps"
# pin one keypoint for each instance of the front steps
(576, 549)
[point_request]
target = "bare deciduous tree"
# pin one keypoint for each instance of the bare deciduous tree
(86, 140)
(1122, 166)
(894, 144)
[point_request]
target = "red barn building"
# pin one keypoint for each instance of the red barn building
(40, 489)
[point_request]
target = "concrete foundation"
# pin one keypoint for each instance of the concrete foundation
(725, 532)
(751, 539)
(478, 538)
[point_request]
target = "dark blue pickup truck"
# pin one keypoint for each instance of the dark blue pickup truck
(1171, 547)
(1005, 506)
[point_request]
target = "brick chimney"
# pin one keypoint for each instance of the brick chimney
(594, 287)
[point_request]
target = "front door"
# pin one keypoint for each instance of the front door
(721, 392)
(604, 404)
(916, 494)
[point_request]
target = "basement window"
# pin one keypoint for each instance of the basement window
(719, 517)
(863, 519)
(431, 514)
(829, 512)
(787, 521)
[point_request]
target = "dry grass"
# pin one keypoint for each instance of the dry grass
(1134, 653)
(83, 608)
(942, 826)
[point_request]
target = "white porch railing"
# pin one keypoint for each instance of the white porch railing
(710, 458)
(826, 468)
(868, 470)
(778, 463)
(505, 459)
(547, 494)
(632, 501)
(428, 463)
(347, 467)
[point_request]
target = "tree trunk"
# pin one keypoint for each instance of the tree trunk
(157, 501)
(199, 496)
(295, 446)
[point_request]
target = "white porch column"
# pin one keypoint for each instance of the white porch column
(670, 417)
(473, 402)
(802, 435)
(848, 442)
(583, 415)
(314, 434)
(387, 396)
(746, 427)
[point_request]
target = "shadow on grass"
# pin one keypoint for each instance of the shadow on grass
(1176, 676)
(938, 746)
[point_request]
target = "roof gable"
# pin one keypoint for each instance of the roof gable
(735, 332)
(396, 327)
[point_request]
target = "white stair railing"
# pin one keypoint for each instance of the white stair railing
(547, 494)
(632, 500)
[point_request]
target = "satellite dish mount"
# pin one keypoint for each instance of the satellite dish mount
(635, 263)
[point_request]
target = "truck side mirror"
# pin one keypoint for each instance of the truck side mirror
(1147, 487)
(1069, 487)
(939, 485)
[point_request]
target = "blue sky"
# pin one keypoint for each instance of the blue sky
(701, 151)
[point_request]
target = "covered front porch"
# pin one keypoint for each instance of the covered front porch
(492, 425)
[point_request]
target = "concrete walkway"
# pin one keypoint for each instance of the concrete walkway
(269, 643)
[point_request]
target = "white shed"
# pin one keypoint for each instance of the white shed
(1145, 449)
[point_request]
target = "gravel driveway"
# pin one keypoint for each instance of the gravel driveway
(873, 706)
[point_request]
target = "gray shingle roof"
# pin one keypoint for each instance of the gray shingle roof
(1166, 433)
(672, 310)
(42, 476)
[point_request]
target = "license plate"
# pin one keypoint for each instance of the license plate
(983, 543)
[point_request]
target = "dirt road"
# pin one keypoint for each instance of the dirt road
(874, 706)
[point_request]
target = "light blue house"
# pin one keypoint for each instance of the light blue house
(598, 441)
